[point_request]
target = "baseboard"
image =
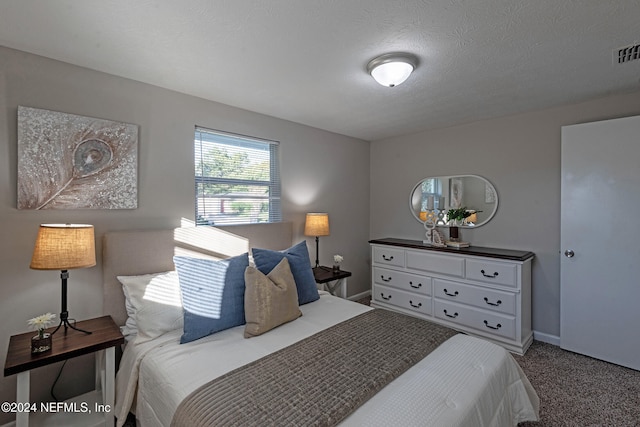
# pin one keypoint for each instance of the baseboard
(549, 339)
(360, 296)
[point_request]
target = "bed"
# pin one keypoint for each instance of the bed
(464, 381)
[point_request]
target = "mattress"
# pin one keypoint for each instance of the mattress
(464, 382)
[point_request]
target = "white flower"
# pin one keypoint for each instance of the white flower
(337, 259)
(41, 322)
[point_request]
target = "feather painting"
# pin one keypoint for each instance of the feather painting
(66, 161)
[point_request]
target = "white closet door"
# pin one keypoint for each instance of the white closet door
(600, 240)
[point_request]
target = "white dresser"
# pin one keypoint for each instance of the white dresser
(484, 292)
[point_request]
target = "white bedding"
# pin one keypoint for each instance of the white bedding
(465, 382)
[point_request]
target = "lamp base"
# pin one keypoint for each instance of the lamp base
(317, 252)
(64, 320)
(64, 314)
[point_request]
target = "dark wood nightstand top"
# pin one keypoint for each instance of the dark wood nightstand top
(104, 334)
(324, 274)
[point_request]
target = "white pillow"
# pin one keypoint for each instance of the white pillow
(130, 328)
(153, 304)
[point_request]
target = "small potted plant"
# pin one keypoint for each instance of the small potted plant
(337, 259)
(458, 215)
(41, 342)
(455, 218)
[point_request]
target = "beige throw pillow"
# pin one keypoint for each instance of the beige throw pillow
(270, 300)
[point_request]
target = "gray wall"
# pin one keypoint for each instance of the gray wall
(520, 155)
(321, 171)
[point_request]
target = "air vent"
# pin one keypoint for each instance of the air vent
(626, 54)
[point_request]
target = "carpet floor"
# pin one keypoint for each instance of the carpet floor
(577, 390)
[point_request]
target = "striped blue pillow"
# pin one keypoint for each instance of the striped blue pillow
(212, 294)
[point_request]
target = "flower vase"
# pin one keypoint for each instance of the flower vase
(336, 268)
(453, 234)
(41, 343)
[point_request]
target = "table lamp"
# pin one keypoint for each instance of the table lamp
(317, 224)
(472, 219)
(64, 247)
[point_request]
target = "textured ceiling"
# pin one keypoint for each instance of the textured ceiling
(305, 60)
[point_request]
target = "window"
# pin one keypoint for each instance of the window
(431, 187)
(237, 179)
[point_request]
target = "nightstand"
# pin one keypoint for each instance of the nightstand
(95, 408)
(333, 281)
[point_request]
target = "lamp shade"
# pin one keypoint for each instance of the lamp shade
(317, 224)
(472, 219)
(64, 247)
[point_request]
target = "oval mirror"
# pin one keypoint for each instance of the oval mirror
(474, 193)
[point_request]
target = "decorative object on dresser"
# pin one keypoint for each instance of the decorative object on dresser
(431, 216)
(484, 292)
(442, 202)
(64, 247)
(433, 236)
(317, 224)
(457, 217)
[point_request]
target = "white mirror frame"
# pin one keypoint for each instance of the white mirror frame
(489, 195)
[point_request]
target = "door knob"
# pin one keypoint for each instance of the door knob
(569, 253)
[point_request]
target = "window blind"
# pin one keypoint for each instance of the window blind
(237, 179)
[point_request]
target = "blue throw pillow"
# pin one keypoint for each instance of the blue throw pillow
(298, 257)
(212, 294)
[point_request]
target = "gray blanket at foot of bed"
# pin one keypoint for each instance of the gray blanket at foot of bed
(318, 381)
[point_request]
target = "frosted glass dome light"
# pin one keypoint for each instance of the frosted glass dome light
(391, 69)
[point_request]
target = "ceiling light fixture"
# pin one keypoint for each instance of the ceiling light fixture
(391, 69)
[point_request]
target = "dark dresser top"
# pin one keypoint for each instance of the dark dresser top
(508, 254)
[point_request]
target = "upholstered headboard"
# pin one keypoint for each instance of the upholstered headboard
(128, 253)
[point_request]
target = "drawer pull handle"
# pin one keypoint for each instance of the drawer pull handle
(455, 294)
(453, 316)
(387, 258)
(498, 326)
(385, 298)
(495, 304)
(385, 280)
(418, 286)
(495, 274)
(415, 306)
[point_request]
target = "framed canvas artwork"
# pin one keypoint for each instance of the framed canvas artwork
(66, 161)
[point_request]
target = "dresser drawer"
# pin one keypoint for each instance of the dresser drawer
(450, 265)
(403, 299)
(481, 320)
(499, 273)
(388, 256)
(488, 299)
(405, 281)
